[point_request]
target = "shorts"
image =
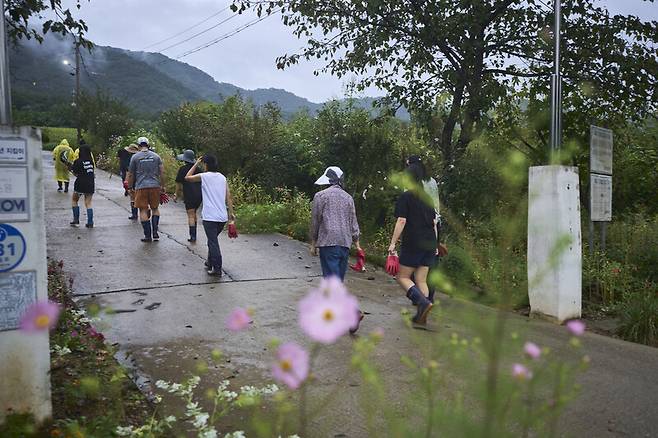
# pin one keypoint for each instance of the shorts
(84, 187)
(192, 204)
(413, 258)
(147, 198)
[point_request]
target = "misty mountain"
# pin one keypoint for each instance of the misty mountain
(43, 75)
(203, 84)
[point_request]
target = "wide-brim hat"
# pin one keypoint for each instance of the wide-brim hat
(331, 175)
(187, 156)
(133, 149)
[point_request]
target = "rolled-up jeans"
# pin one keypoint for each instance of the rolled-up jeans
(333, 260)
(212, 230)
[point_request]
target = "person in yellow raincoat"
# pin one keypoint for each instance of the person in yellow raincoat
(62, 155)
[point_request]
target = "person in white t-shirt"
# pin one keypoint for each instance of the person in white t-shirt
(217, 207)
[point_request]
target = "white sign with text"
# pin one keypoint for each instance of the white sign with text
(14, 196)
(13, 150)
(600, 158)
(600, 197)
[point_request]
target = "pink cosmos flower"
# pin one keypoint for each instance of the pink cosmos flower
(239, 319)
(521, 372)
(576, 327)
(327, 313)
(532, 350)
(40, 316)
(291, 366)
(95, 334)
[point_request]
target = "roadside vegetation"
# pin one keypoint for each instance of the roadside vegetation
(91, 392)
(272, 163)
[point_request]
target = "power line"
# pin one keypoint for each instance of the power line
(546, 4)
(226, 35)
(89, 75)
(199, 33)
(187, 29)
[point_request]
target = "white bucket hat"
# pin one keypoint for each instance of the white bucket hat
(331, 173)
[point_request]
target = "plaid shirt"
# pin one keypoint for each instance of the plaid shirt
(333, 218)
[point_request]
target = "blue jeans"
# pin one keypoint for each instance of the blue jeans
(333, 260)
(212, 230)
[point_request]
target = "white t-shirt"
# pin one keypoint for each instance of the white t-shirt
(213, 190)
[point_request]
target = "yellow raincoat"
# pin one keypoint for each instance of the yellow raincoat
(62, 155)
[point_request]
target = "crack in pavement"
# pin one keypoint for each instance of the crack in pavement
(169, 286)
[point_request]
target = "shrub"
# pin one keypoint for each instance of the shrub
(245, 192)
(290, 216)
(633, 241)
(638, 315)
(52, 136)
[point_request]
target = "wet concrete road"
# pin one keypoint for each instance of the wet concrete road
(170, 316)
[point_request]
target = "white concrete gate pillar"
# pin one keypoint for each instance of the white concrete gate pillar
(24, 358)
(554, 242)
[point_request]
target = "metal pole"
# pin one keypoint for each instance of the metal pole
(5, 89)
(77, 90)
(556, 86)
(591, 239)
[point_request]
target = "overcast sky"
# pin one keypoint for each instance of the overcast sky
(246, 59)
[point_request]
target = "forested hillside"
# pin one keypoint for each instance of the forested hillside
(43, 82)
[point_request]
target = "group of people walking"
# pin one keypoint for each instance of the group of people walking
(143, 176)
(334, 227)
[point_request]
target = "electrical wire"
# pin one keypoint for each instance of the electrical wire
(89, 75)
(545, 4)
(199, 33)
(226, 35)
(186, 30)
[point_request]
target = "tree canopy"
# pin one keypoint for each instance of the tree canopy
(19, 13)
(460, 58)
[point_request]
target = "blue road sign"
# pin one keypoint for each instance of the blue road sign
(12, 247)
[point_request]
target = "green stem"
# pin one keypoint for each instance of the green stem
(557, 393)
(303, 393)
(528, 410)
(492, 373)
(430, 405)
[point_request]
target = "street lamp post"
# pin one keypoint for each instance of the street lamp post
(556, 86)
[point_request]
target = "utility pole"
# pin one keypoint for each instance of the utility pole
(554, 283)
(5, 90)
(77, 89)
(556, 86)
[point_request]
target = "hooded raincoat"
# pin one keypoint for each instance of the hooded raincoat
(62, 155)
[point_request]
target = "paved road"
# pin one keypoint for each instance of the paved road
(269, 273)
